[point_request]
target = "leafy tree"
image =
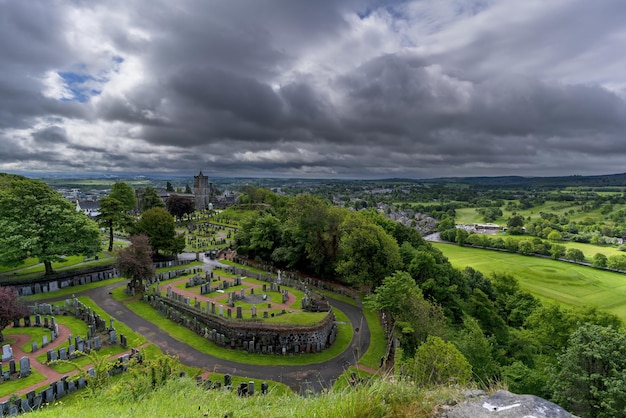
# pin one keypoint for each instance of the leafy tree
(445, 224)
(188, 189)
(180, 206)
(150, 199)
(158, 225)
(574, 254)
(461, 236)
(599, 261)
(11, 308)
(124, 193)
(525, 247)
(616, 262)
(135, 261)
(557, 251)
(591, 376)
(113, 215)
(478, 350)
(367, 253)
(414, 318)
(169, 187)
(265, 236)
(437, 362)
(555, 236)
(36, 221)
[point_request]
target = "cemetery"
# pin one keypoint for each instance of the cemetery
(257, 315)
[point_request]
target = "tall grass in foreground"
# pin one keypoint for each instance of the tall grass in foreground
(181, 397)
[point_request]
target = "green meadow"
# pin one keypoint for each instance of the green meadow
(550, 280)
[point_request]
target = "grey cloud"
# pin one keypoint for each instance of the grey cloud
(50, 135)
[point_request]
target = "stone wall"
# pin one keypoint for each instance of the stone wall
(250, 335)
(78, 277)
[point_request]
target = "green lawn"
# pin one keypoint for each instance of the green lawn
(73, 289)
(558, 281)
(378, 342)
(12, 386)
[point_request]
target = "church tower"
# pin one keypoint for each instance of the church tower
(201, 191)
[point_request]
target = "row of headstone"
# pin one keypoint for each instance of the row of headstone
(54, 285)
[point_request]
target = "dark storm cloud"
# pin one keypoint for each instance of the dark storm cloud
(350, 88)
(50, 135)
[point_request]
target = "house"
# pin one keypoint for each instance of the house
(88, 207)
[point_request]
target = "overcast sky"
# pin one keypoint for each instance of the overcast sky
(319, 88)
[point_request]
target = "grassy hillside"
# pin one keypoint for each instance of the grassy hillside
(181, 397)
(564, 283)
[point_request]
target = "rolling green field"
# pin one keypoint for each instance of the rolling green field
(568, 209)
(549, 280)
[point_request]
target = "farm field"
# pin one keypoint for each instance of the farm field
(549, 280)
(568, 209)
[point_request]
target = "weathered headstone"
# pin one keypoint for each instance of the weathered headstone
(24, 366)
(227, 379)
(63, 353)
(112, 337)
(239, 316)
(264, 388)
(34, 347)
(7, 352)
(96, 342)
(12, 368)
(250, 388)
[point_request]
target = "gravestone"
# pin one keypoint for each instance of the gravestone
(53, 355)
(12, 368)
(25, 406)
(7, 352)
(60, 389)
(70, 350)
(227, 380)
(46, 323)
(112, 337)
(264, 388)
(254, 311)
(63, 353)
(37, 401)
(96, 342)
(24, 366)
(45, 341)
(250, 388)
(34, 347)
(123, 340)
(239, 316)
(37, 320)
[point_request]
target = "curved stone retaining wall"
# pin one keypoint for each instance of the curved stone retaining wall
(250, 335)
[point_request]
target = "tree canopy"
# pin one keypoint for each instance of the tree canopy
(125, 194)
(113, 215)
(36, 221)
(180, 206)
(158, 225)
(10, 308)
(135, 261)
(150, 199)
